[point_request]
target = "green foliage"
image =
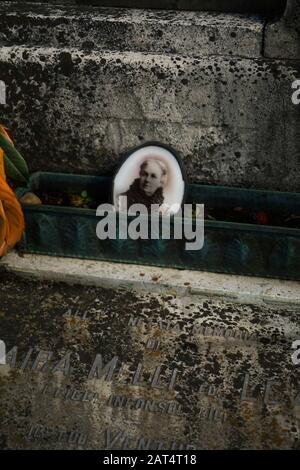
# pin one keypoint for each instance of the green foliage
(15, 166)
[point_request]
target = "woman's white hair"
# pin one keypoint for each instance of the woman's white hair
(162, 165)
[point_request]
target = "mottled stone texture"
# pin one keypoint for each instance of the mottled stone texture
(283, 37)
(163, 32)
(85, 85)
(183, 372)
(256, 6)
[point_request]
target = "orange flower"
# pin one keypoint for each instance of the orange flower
(11, 215)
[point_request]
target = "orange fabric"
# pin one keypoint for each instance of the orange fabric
(2, 172)
(11, 215)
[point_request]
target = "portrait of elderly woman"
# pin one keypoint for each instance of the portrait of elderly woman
(148, 188)
(150, 175)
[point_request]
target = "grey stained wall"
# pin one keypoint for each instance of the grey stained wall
(246, 6)
(239, 6)
(84, 84)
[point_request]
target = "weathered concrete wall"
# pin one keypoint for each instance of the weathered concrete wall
(283, 37)
(183, 372)
(108, 29)
(244, 6)
(85, 85)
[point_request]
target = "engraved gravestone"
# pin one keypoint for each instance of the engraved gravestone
(89, 368)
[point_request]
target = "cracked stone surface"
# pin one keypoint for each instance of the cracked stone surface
(256, 6)
(171, 32)
(282, 38)
(79, 96)
(182, 372)
(85, 109)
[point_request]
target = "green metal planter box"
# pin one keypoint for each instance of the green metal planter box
(237, 248)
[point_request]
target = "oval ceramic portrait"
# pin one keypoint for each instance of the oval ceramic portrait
(152, 175)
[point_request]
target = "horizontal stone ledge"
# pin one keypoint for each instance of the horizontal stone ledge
(170, 32)
(217, 112)
(134, 85)
(245, 6)
(148, 278)
(210, 92)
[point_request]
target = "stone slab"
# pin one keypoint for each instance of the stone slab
(282, 38)
(171, 32)
(257, 6)
(152, 279)
(151, 371)
(232, 120)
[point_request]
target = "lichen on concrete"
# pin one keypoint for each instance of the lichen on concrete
(86, 109)
(78, 96)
